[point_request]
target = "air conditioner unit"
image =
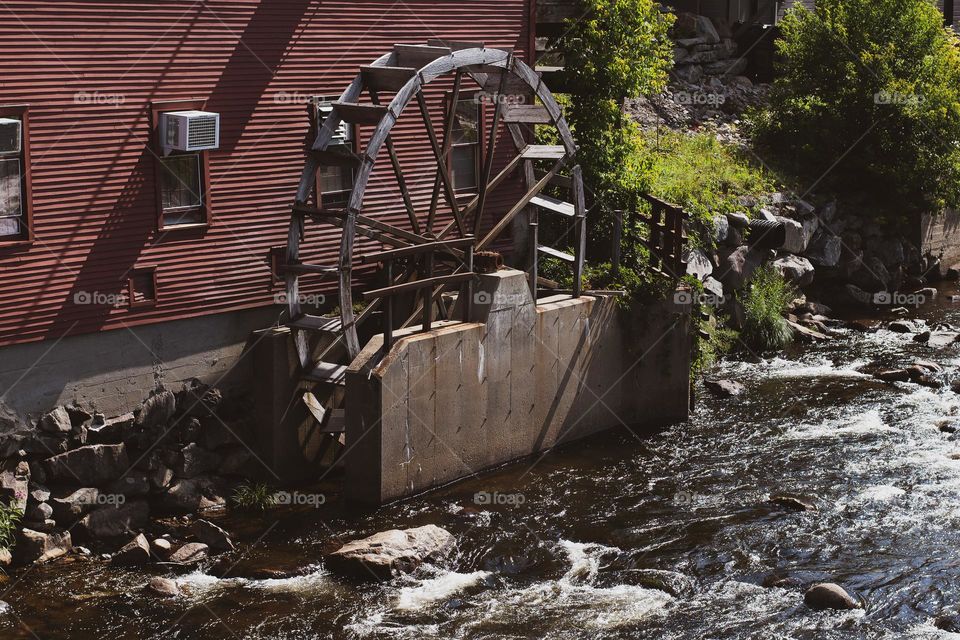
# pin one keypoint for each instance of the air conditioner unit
(343, 134)
(190, 131)
(11, 135)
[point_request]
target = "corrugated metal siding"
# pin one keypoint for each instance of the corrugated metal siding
(93, 176)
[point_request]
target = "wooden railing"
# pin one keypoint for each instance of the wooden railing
(667, 239)
(461, 248)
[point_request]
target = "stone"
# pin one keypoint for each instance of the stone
(923, 336)
(927, 366)
(132, 485)
(721, 229)
(680, 55)
(91, 465)
(828, 595)
(698, 264)
(57, 422)
(41, 511)
(78, 415)
(192, 495)
(38, 546)
(856, 295)
(212, 535)
(38, 492)
(824, 250)
(6, 558)
(199, 400)
(902, 326)
(793, 503)
(713, 286)
(69, 505)
(161, 548)
(947, 622)
(195, 461)
(806, 334)
(112, 431)
(724, 388)
(190, 553)
(737, 267)
(162, 587)
(705, 29)
(113, 521)
(15, 483)
(689, 73)
(738, 220)
(160, 477)
(893, 375)
(796, 237)
(731, 67)
(239, 460)
(157, 410)
(135, 552)
(795, 269)
(872, 276)
(389, 553)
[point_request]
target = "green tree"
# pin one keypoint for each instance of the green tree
(873, 87)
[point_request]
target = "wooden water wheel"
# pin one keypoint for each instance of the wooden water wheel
(404, 73)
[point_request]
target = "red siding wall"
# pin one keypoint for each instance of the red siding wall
(94, 191)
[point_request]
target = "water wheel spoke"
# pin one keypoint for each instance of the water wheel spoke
(491, 147)
(447, 145)
(442, 172)
(398, 173)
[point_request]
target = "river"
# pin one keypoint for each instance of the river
(664, 536)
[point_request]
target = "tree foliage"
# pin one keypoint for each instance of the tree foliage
(873, 87)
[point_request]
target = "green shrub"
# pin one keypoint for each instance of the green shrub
(873, 87)
(253, 495)
(10, 517)
(764, 327)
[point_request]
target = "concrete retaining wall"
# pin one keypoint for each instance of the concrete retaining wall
(940, 236)
(114, 371)
(520, 379)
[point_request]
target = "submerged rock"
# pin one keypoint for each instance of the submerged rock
(388, 553)
(162, 587)
(793, 503)
(724, 388)
(135, 552)
(37, 546)
(828, 595)
(212, 535)
(190, 553)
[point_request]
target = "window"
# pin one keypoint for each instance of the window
(335, 182)
(143, 287)
(182, 177)
(14, 175)
(465, 145)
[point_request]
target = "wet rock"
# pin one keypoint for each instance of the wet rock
(39, 511)
(676, 584)
(69, 505)
(781, 581)
(190, 553)
(391, 552)
(893, 375)
(946, 426)
(828, 595)
(793, 503)
(737, 267)
(923, 336)
(161, 548)
(39, 546)
(162, 587)
(902, 326)
(195, 460)
(927, 366)
(114, 521)
(156, 410)
(724, 388)
(795, 269)
(949, 622)
(135, 552)
(806, 334)
(192, 495)
(212, 535)
(57, 422)
(91, 465)
(111, 431)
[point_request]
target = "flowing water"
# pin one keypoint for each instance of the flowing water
(666, 536)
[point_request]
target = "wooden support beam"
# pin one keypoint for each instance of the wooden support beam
(393, 254)
(491, 148)
(416, 285)
(398, 173)
(447, 144)
(441, 162)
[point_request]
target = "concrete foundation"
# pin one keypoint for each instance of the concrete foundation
(517, 380)
(940, 236)
(114, 371)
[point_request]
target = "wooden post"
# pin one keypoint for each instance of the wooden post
(617, 238)
(534, 226)
(468, 301)
(388, 312)
(656, 244)
(428, 293)
(580, 213)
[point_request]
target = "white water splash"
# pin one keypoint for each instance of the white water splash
(427, 592)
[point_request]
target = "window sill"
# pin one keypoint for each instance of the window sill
(184, 227)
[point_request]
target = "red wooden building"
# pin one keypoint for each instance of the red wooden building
(103, 227)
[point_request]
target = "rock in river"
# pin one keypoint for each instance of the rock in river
(828, 595)
(385, 554)
(162, 587)
(793, 503)
(135, 552)
(724, 388)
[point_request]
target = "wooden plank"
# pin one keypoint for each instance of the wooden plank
(491, 149)
(580, 250)
(441, 164)
(337, 157)
(386, 78)
(418, 55)
(454, 45)
(314, 212)
(555, 253)
(552, 204)
(368, 114)
(398, 174)
(526, 114)
(416, 285)
(447, 143)
(317, 323)
(543, 152)
(300, 268)
(328, 372)
(392, 254)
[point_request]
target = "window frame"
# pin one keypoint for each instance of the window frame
(479, 145)
(157, 108)
(26, 235)
(353, 145)
(147, 303)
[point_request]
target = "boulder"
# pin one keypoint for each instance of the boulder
(114, 521)
(162, 587)
(795, 269)
(798, 234)
(855, 295)
(738, 220)
(923, 336)
(824, 250)
(69, 505)
(38, 492)
(703, 28)
(947, 622)
(828, 595)
(192, 495)
(724, 388)
(698, 264)
(39, 511)
(195, 460)
(388, 553)
(730, 67)
(199, 400)
(92, 465)
(689, 73)
(793, 503)
(903, 326)
(713, 286)
(872, 276)
(135, 552)
(893, 375)
(57, 422)
(238, 460)
(132, 485)
(111, 431)
(212, 535)
(190, 553)
(15, 483)
(39, 546)
(721, 229)
(161, 548)
(807, 334)
(737, 267)
(160, 477)
(156, 410)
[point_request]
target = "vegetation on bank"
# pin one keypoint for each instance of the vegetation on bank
(868, 94)
(764, 304)
(10, 517)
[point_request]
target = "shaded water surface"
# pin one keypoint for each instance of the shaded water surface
(668, 536)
